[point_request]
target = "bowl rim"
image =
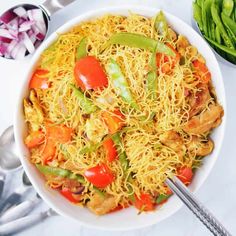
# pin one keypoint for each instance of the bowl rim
(93, 14)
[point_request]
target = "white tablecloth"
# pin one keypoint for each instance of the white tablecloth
(218, 192)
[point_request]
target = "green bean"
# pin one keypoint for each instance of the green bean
(222, 47)
(82, 48)
(197, 14)
(227, 7)
(138, 41)
(218, 22)
(85, 103)
(161, 24)
(120, 83)
(228, 22)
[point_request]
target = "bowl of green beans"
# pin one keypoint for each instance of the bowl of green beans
(216, 22)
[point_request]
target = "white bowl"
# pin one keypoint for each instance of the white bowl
(115, 221)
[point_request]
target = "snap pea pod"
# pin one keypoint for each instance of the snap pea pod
(121, 153)
(55, 171)
(222, 47)
(218, 22)
(206, 6)
(120, 83)
(227, 7)
(82, 48)
(218, 37)
(161, 24)
(85, 103)
(229, 22)
(197, 14)
(138, 41)
(199, 3)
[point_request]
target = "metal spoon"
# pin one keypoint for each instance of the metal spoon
(49, 7)
(8, 160)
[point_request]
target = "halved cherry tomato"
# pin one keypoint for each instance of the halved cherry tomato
(114, 122)
(185, 174)
(69, 195)
(34, 139)
(39, 79)
(89, 74)
(100, 175)
(110, 149)
(144, 202)
(166, 63)
(201, 71)
(54, 134)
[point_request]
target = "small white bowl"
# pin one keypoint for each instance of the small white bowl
(126, 219)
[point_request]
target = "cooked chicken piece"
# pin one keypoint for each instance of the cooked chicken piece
(182, 43)
(173, 140)
(33, 111)
(199, 100)
(205, 121)
(95, 129)
(199, 147)
(101, 205)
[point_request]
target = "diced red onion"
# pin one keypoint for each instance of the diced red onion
(21, 32)
(20, 11)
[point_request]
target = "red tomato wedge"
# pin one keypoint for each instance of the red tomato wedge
(69, 195)
(100, 175)
(39, 80)
(54, 134)
(144, 202)
(89, 74)
(185, 174)
(201, 71)
(110, 149)
(114, 122)
(166, 63)
(34, 139)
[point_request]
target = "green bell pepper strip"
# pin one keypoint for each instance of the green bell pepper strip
(222, 47)
(161, 25)
(90, 149)
(55, 171)
(229, 22)
(218, 22)
(82, 48)
(121, 153)
(86, 104)
(120, 83)
(138, 41)
(228, 7)
(161, 198)
(197, 15)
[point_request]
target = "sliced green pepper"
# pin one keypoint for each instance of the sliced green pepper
(223, 48)
(120, 83)
(121, 153)
(161, 24)
(82, 48)
(161, 198)
(55, 171)
(138, 41)
(86, 104)
(89, 149)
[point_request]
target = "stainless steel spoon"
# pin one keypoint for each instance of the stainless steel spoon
(49, 7)
(8, 160)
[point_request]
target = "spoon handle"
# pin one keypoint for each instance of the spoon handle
(2, 178)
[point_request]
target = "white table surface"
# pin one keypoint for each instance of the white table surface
(219, 191)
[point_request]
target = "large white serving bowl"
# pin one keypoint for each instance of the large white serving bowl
(128, 218)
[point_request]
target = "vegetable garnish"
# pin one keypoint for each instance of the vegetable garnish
(39, 80)
(21, 31)
(144, 202)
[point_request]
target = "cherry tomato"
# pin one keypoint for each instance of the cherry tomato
(185, 174)
(69, 195)
(201, 71)
(110, 149)
(166, 63)
(39, 80)
(100, 175)
(89, 74)
(34, 139)
(114, 122)
(144, 202)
